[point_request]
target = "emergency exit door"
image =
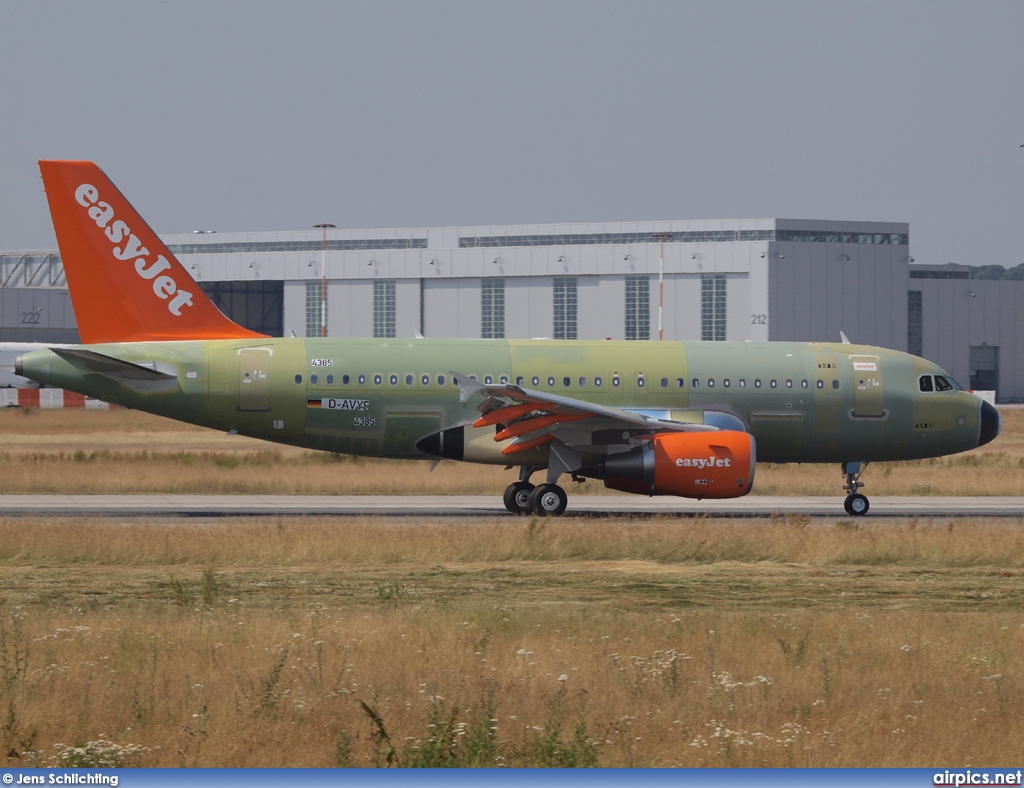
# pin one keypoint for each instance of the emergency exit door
(254, 379)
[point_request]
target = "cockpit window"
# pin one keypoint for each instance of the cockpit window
(938, 383)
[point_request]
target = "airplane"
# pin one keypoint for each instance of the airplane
(681, 418)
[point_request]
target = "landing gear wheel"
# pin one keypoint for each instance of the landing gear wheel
(548, 500)
(856, 504)
(517, 498)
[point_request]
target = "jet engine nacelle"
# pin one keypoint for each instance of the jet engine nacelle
(688, 464)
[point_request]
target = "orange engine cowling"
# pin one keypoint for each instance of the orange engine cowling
(689, 464)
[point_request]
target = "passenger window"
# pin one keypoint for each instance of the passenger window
(640, 381)
(803, 384)
(615, 381)
(583, 382)
(536, 381)
(774, 384)
(330, 380)
(726, 383)
(680, 383)
(696, 383)
(394, 380)
(346, 379)
(314, 379)
(409, 379)
(425, 380)
(566, 382)
(487, 380)
(664, 383)
(362, 380)
(941, 384)
(789, 384)
(821, 384)
(440, 380)
(519, 380)
(377, 380)
(551, 380)
(597, 382)
(835, 384)
(504, 379)
(757, 383)
(298, 378)
(711, 383)
(743, 383)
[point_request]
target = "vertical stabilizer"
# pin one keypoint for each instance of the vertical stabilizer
(125, 284)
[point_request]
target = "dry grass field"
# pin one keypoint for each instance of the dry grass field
(123, 451)
(512, 641)
(613, 643)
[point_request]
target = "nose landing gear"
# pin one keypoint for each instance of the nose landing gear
(855, 503)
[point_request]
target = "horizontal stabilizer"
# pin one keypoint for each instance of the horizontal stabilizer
(135, 376)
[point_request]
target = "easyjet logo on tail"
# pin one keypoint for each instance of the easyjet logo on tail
(126, 246)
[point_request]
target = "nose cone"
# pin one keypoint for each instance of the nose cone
(991, 424)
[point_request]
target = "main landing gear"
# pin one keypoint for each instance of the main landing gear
(521, 497)
(855, 503)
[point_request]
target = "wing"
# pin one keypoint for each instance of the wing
(572, 426)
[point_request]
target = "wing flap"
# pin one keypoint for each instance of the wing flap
(509, 401)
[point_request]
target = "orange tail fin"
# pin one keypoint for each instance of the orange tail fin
(125, 285)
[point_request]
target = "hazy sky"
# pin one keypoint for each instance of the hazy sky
(277, 115)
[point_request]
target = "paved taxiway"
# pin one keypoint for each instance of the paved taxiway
(448, 506)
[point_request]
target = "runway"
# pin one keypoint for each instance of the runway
(434, 507)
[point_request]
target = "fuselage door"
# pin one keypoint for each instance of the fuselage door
(867, 387)
(254, 379)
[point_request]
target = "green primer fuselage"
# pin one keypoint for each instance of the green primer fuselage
(803, 402)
